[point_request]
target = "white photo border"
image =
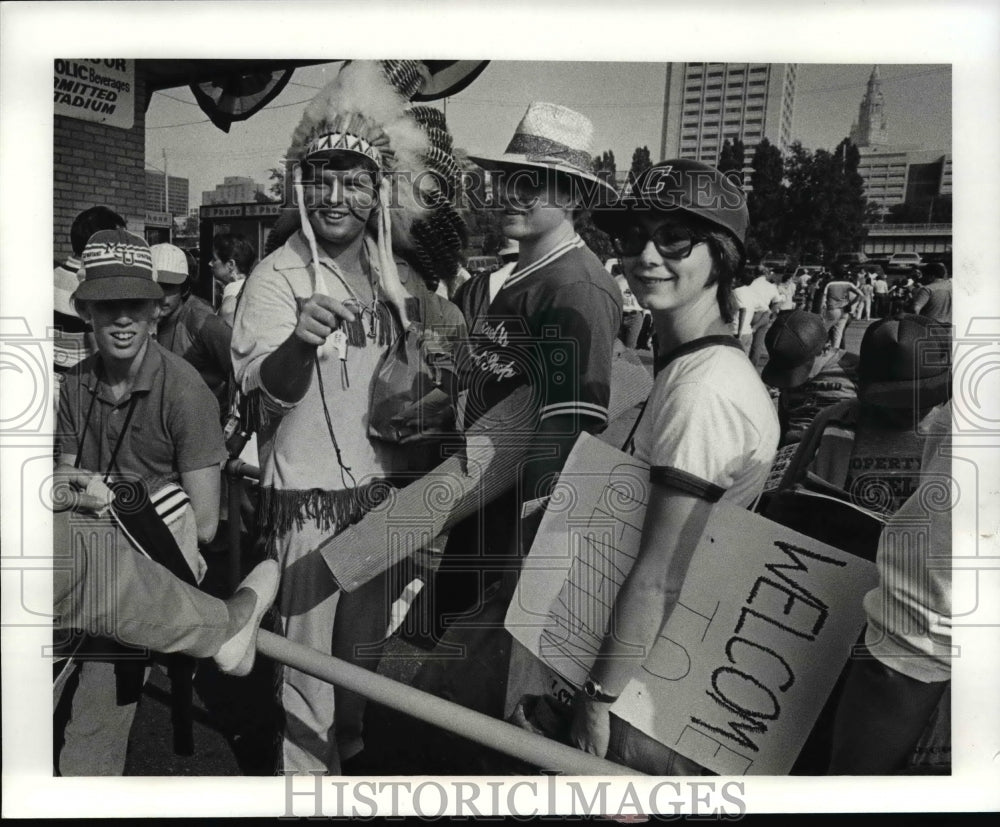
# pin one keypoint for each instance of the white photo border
(963, 34)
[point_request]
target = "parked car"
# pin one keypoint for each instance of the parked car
(482, 265)
(776, 262)
(851, 259)
(900, 262)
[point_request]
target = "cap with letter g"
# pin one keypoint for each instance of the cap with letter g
(684, 187)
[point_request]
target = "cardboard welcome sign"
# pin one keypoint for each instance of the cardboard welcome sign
(763, 627)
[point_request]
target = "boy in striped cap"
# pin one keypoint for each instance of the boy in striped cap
(134, 415)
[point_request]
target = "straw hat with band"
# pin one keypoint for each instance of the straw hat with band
(905, 363)
(118, 266)
(552, 137)
(687, 187)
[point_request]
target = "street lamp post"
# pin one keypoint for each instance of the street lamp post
(166, 199)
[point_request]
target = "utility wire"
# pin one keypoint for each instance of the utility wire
(207, 120)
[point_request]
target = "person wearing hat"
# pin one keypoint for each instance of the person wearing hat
(870, 450)
(314, 323)
(71, 342)
(557, 292)
(543, 181)
(708, 430)
(137, 412)
(188, 326)
(809, 376)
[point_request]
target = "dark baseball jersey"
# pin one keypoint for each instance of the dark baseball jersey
(552, 327)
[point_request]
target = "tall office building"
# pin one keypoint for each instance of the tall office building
(705, 103)
(177, 196)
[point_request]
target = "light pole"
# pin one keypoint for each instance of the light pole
(166, 195)
(166, 199)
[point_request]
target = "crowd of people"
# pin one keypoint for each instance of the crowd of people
(357, 354)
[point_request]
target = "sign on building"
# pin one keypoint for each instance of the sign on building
(227, 211)
(157, 219)
(102, 91)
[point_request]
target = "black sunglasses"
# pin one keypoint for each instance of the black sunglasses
(672, 241)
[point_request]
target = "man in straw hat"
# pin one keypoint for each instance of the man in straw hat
(137, 414)
(314, 321)
(551, 325)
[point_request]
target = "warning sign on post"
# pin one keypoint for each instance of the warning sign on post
(102, 91)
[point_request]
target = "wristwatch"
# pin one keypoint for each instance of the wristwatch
(593, 690)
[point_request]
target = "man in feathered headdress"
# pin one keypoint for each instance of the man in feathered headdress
(313, 324)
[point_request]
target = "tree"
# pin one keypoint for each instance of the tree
(276, 175)
(261, 197)
(604, 166)
(767, 198)
(597, 240)
(641, 161)
(732, 157)
(826, 207)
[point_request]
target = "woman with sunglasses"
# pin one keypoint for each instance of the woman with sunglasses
(708, 430)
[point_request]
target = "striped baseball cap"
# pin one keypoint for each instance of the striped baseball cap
(117, 265)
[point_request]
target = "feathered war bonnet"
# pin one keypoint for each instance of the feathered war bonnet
(363, 112)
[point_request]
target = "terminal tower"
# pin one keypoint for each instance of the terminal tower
(870, 130)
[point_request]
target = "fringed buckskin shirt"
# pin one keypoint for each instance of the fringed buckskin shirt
(301, 478)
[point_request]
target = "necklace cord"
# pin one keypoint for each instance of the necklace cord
(345, 470)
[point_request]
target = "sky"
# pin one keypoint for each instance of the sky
(623, 100)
